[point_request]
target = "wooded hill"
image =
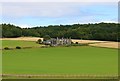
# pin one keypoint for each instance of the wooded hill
(98, 31)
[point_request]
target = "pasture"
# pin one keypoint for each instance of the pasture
(21, 43)
(61, 60)
(81, 60)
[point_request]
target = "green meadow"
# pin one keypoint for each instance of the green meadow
(59, 60)
(14, 43)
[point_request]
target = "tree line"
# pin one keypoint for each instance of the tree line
(97, 31)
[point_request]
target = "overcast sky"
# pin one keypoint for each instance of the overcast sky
(29, 14)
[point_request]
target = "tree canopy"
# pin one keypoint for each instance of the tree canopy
(98, 31)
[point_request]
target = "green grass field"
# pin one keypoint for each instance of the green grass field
(60, 60)
(14, 43)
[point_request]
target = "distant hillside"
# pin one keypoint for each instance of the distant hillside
(100, 31)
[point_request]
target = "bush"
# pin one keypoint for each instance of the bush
(72, 42)
(79, 44)
(67, 45)
(76, 43)
(39, 41)
(18, 47)
(6, 48)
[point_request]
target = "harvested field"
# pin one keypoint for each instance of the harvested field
(87, 41)
(23, 38)
(106, 44)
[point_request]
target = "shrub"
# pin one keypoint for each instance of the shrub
(72, 42)
(39, 41)
(76, 43)
(79, 44)
(18, 47)
(68, 45)
(6, 48)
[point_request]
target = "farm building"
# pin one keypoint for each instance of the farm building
(57, 41)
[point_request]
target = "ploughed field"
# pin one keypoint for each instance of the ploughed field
(84, 60)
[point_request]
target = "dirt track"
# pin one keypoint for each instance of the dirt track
(107, 44)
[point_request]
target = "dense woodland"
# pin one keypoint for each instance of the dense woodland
(98, 31)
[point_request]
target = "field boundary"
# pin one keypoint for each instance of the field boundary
(59, 76)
